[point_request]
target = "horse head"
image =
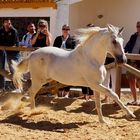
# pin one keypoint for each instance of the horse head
(116, 44)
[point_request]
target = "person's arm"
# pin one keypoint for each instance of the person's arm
(74, 42)
(34, 38)
(127, 47)
(22, 43)
(16, 41)
(57, 42)
(130, 44)
(71, 42)
(48, 37)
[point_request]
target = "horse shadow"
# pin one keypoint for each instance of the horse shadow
(54, 103)
(41, 125)
(109, 110)
(115, 108)
(137, 114)
(86, 107)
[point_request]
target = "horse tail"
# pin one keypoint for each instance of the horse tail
(19, 69)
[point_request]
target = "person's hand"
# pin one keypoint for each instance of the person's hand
(46, 32)
(38, 31)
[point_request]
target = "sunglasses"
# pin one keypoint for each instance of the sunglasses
(42, 26)
(65, 29)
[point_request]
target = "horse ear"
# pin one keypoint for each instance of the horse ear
(110, 29)
(120, 30)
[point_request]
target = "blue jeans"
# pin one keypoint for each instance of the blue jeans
(2, 66)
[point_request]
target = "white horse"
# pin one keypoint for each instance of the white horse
(83, 66)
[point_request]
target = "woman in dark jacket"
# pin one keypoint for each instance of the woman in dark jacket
(66, 42)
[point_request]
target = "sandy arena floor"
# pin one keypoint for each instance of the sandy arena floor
(69, 119)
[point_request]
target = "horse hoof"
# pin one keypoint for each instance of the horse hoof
(103, 121)
(130, 116)
(133, 116)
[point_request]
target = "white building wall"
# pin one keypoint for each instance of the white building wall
(117, 12)
(62, 17)
(78, 13)
(63, 14)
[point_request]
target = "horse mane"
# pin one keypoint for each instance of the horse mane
(85, 33)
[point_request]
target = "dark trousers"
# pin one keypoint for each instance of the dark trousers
(2, 66)
(87, 90)
(67, 88)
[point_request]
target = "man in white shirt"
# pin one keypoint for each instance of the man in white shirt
(26, 39)
(26, 42)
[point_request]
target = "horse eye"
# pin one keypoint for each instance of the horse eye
(114, 42)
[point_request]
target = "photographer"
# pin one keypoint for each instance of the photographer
(42, 37)
(8, 37)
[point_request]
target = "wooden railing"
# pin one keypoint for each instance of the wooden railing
(20, 48)
(127, 67)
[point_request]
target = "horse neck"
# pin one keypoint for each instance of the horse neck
(95, 49)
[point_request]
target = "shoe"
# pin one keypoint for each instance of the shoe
(90, 99)
(66, 96)
(135, 103)
(16, 91)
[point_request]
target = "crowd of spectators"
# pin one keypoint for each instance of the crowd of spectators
(34, 37)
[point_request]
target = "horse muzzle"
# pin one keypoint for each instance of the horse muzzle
(121, 59)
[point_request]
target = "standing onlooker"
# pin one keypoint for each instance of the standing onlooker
(2, 66)
(67, 42)
(26, 39)
(26, 42)
(9, 37)
(133, 46)
(42, 37)
(87, 91)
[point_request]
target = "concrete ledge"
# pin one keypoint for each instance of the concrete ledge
(127, 90)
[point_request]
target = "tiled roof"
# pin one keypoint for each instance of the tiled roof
(27, 3)
(24, 1)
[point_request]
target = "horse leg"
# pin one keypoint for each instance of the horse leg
(98, 106)
(115, 97)
(32, 92)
